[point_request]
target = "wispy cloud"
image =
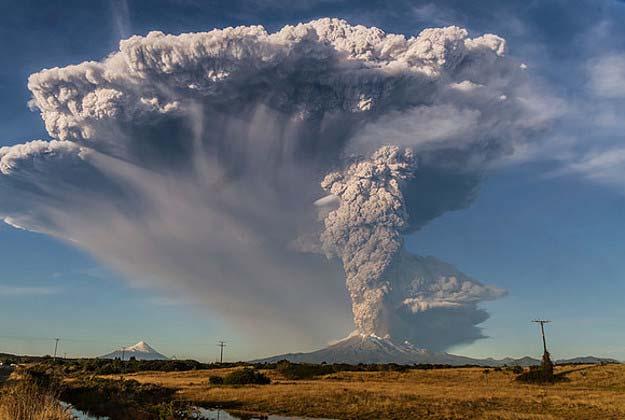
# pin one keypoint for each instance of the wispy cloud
(121, 18)
(606, 167)
(166, 301)
(27, 290)
(607, 76)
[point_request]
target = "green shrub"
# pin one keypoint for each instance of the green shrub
(215, 380)
(517, 370)
(246, 376)
(302, 370)
(540, 374)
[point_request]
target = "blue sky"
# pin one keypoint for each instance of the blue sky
(554, 239)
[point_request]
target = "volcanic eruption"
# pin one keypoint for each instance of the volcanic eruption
(235, 167)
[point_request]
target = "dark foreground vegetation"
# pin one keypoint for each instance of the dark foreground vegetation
(118, 399)
(106, 366)
(125, 399)
(92, 385)
(171, 389)
(291, 370)
(122, 399)
(288, 369)
(245, 376)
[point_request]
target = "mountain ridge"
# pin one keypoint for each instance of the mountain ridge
(586, 360)
(371, 349)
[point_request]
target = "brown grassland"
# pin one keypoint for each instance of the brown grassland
(23, 400)
(589, 392)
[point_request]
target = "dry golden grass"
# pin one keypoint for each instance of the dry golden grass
(23, 400)
(593, 392)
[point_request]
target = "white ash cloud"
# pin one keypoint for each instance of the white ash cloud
(33, 152)
(191, 163)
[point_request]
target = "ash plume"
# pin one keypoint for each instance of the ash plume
(389, 288)
(190, 163)
(365, 230)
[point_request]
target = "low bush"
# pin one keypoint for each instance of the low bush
(246, 376)
(539, 375)
(517, 370)
(302, 371)
(116, 366)
(215, 380)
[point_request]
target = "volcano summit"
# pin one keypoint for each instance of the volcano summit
(140, 351)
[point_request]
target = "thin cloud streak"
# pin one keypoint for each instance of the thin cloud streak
(27, 290)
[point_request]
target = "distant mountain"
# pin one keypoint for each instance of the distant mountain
(372, 349)
(140, 351)
(509, 361)
(586, 360)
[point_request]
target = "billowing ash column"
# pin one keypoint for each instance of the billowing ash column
(395, 294)
(188, 164)
(365, 230)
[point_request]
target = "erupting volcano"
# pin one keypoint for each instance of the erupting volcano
(246, 171)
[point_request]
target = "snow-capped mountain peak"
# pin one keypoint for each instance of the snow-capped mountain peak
(140, 351)
(140, 346)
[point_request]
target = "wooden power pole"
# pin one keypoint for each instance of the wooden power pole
(56, 345)
(221, 344)
(547, 364)
(542, 323)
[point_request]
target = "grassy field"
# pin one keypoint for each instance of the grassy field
(590, 392)
(23, 400)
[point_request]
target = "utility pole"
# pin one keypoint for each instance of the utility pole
(547, 364)
(56, 345)
(221, 344)
(542, 323)
(123, 353)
